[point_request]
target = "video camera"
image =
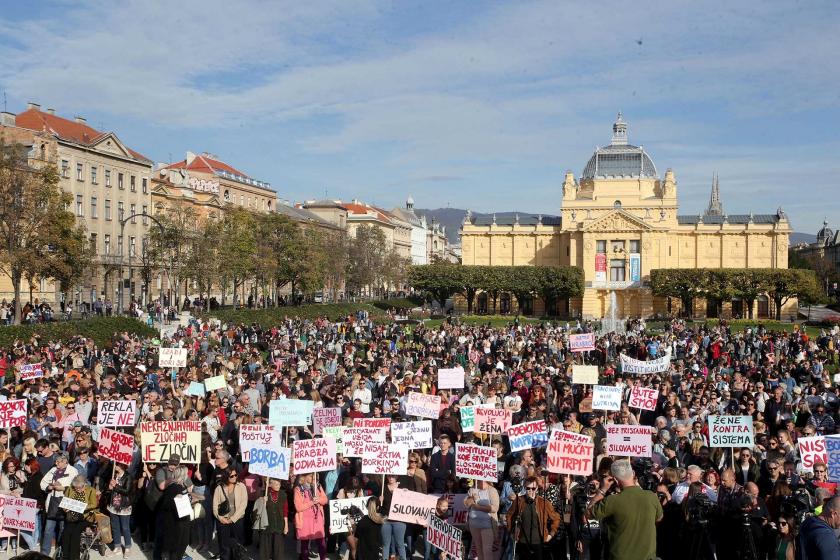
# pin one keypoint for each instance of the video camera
(799, 505)
(353, 513)
(699, 509)
(643, 468)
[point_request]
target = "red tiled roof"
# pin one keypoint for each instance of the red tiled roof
(80, 133)
(362, 209)
(206, 164)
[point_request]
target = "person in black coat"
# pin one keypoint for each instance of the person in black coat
(368, 533)
(441, 465)
(172, 535)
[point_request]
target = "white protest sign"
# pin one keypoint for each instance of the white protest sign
(444, 536)
(424, 406)
(582, 342)
(385, 458)
(730, 431)
(628, 440)
(339, 522)
(476, 462)
(355, 439)
(605, 397)
(451, 378)
(117, 414)
(20, 513)
(325, 417)
(527, 435)
(31, 371)
(644, 398)
(411, 507)
(272, 461)
(314, 455)
(631, 366)
(172, 357)
(72, 505)
(183, 506)
(584, 375)
(290, 412)
(416, 435)
(215, 383)
(257, 435)
(161, 440)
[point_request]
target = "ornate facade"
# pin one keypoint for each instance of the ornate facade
(618, 222)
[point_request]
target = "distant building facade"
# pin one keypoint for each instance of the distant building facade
(825, 248)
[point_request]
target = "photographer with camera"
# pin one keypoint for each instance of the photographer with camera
(629, 517)
(668, 530)
(511, 489)
(697, 512)
(585, 532)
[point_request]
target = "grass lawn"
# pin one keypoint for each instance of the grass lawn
(493, 320)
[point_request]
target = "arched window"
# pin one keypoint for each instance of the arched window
(617, 204)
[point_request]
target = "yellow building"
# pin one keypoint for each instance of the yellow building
(618, 222)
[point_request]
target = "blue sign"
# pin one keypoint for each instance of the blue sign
(635, 267)
(832, 450)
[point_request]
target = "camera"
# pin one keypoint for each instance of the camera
(643, 468)
(799, 505)
(516, 484)
(699, 509)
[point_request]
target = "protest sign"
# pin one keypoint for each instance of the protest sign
(605, 397)
(339, 522)
(336, 433)
(31, 371)
(644, 398)
(324, 417)
(3, 532)
(444, 536)
(812, 450)
(570, 457)
(460, 512)
(196, 389)
(582, 342)
(562, 435)
(476, 462)
(527, 435)
(355, 439)
(290, 412)
(832, 451)
(116, 446)
(117, 414)
(70, 504)
(161, 440)
(172, 357)
(411, 507)
(373, 424)
(584, 375)
(416, 435)
(257, 435)
(424, 406)
(183, 507)
(451, 378)
(215, 383)
(632, 366)
(13, 413)
(730, 431)
(272, 461)
(314, 455)
(19, 513)
(492, 420)
(629, 440)
(390, 459)
(467, 418)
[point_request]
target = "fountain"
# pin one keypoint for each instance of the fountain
(610, 323)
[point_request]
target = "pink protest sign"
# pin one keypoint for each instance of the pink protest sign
(13, 413)
(116, 446)
(314, 455)
(325, 418)
(411, 507)
(492, 420)
(643, 398)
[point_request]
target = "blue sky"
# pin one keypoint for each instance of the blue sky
(479, 105)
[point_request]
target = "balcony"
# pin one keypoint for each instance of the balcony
(615, 285)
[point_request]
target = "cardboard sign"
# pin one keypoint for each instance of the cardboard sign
(257, 435)
(339, 522)
(424, 406)
(416, 435)
(628, 440)
(444, 536)
(605, 397)
(314, 455)
(196, 389)
(31, 371)
(271, 461)
(584, 375)
(72, 505)
(832, 451)
(215, 383)
(644, 398)
(492, 420)
(527, 435)
(290, 412)
(476, 462)
(117, 414)
(812, 450)
(632, 366)
(570, 457)
(324, 417)
(411, 507)
(730, 431)
(451, 378)
(385, 458)
(116, 446)
(20, 513)
(161, 440)
(172, 357)
(336, 433)
(582, 342)
(355, 439)
(13, 413)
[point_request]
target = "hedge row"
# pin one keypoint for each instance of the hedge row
(275, 315)
(100, 329)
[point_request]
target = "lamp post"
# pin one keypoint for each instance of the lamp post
(122, 255)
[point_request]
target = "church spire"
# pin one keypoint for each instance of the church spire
(715, 206)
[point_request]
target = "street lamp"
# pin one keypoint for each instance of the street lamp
(122, 255)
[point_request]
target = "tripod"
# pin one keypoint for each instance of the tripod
(748, 551)
(701, 546)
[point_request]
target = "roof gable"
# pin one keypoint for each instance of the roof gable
(618, 220)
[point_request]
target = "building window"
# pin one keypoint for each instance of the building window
(93, 242)
(145, 186)
(107, 177)
(145, 213)
(601, 246)
(133, 183)
(80, 210)
(120, 184)
(108, 209)
(132, 246)
(107, 244)
(617, 245)
(617, 204)
(227, 195)
(635, 246)
(80, 171)
(617, 270)
(93, 211)
(120, 210)
(119, 245)
(65, 169)
(133, 208)
(144, 246)
(93, 178)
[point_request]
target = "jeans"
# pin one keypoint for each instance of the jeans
(50, 528)
(121, 527)
(33, 539)
(393, 530)
(430, 552)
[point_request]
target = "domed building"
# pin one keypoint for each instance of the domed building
(618, 221)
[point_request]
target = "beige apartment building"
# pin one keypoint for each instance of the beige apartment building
(110, 188)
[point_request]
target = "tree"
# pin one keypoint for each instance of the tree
(555, 282)
(171, 243)
(202, 266)
(334, 259)
(366, 258)
(441, 281)
(785, 284)
(237, 248)
(38, 236)
(524, 283)
(717, 287)
(395, 269)
(682, 283)
(748, 284)
(469, 277)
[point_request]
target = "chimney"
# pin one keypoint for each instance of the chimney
(51, 111)
(32, 105)
(190, 158)
(80, 120)
(7, 119)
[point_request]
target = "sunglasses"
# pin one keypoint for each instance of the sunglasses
(821, 471)
(531, 488)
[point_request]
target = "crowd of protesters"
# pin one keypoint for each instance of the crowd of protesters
(686, 499)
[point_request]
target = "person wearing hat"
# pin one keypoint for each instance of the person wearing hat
(173, 473)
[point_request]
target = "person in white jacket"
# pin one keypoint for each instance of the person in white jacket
(54, 482)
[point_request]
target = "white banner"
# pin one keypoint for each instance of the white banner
(452, 378)
(638, 367)
(417, 435)
(172, 357)
(605, 397)
(730, 431)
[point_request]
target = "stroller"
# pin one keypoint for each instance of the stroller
(91, 539)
